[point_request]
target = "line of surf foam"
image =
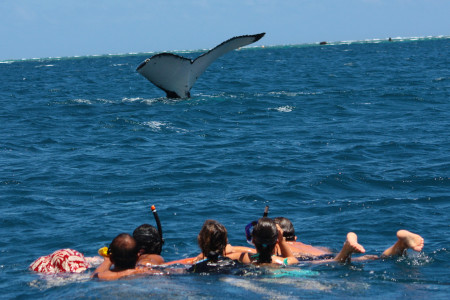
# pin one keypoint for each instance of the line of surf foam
(253, 47)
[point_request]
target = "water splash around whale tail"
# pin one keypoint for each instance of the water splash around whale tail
(176, 75)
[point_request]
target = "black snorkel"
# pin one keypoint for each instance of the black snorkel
(266, 211)
(158, 223)
(249, 227)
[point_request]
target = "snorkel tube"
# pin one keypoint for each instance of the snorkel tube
(104, 251)
(158, 223)
(266, 211)
(249, 227)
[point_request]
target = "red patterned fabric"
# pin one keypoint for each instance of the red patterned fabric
(64, 260)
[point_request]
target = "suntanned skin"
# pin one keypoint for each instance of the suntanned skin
(109, 270)
(234, 249)
(150, 259)
(104, 272)
(243, 254)
(286, 253)
(184, 261)
(406, 240)
(300, 249)
(351, 246)
(228, 251)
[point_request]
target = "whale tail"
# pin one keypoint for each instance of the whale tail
(176, 75)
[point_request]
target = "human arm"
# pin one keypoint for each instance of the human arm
(285, 249)
(184, 261)
(104, 266)
(242, 257)
(234, 249)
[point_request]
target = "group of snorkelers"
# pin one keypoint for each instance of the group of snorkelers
(274, 241)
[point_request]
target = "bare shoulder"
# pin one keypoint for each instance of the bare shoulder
(239, 249)
(151, 259)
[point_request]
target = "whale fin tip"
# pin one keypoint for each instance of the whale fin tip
(176, 75)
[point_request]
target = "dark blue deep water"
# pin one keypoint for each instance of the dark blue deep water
(338, 138)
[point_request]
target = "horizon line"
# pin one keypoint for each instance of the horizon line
(321, 43)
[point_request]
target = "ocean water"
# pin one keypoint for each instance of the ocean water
(351, 136)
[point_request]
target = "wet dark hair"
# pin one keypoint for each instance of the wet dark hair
(123, 251)
(265, 236)
(148, 239)
(212, 239)
(287, 226)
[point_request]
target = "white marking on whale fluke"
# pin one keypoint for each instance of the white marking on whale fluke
(176, 75)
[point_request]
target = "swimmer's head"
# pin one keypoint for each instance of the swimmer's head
(288, 228)
(265, 236)
(212, 239)
(148, 239)
(123, 251)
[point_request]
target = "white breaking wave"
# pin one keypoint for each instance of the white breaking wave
(158, 126)
(286, 108)
(374, 40)
(83, 101)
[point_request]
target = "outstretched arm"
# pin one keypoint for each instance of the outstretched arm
(285, 249)
(105, 266)
(233, 249)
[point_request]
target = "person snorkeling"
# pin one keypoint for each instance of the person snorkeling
(406, 240)
(212, 240)
(149, 245)
(266, 236)
(300, 250)
(213, 243)
(215, 251)
(272, 247)
(121, 259)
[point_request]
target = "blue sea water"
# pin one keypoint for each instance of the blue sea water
(339, 137)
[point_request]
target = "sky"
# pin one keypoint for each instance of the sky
(59, 28)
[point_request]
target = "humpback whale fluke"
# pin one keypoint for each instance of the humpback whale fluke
(176, 75)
